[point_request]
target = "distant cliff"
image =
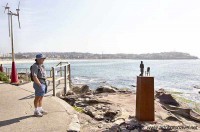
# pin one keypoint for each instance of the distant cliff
(78, 55)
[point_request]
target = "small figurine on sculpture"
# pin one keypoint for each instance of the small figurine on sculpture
(148, 71)
(141, 68)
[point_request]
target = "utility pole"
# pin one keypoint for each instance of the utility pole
(14, 76)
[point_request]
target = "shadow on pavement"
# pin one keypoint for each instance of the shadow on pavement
(15, 120)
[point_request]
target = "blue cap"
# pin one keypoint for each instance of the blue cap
(40, 56)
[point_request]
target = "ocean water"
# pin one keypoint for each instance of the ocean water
(175, 75)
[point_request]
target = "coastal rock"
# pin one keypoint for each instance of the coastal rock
(196, 86)
(71, 99)
(136, 130)
(160, 92)
(166, 98)
(89, 110)
(171, 105)
(115, 128)
(74, 126)
(70, 93)
(80, 89)
(110, 115)
(106, 89)
(94, 101)
(110, 112)
(125, 91)
(172, 118)
(119, 121)
(187, 113)
(99, 117)
(80, 104)
(102, 112)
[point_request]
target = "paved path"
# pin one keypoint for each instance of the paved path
(16, 111)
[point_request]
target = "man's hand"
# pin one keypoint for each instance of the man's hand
(36, 80)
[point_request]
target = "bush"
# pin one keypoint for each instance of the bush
(3, 77)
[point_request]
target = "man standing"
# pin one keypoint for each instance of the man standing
(38, 76)
(141, 68)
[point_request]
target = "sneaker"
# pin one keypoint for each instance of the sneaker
(43, 112)
(38, 114)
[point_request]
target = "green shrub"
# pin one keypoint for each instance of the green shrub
(78, 109)
(3, 77)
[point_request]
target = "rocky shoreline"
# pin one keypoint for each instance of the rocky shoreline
(110, 109)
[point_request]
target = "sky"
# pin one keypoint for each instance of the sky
(103, 26)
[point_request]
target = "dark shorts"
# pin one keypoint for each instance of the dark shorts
(40, 91)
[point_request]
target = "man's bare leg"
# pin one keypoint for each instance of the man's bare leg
(40, 101)
(36, 101)
(40, 106)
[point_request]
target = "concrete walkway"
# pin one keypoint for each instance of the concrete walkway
(16, 111)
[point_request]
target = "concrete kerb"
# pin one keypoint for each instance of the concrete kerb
(75, 123)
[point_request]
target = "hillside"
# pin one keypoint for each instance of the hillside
(79, 55)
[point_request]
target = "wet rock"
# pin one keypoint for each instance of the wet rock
(119, 121)
(160, 92)
(71, 99)
(100, 126)
(137, 126)
(166, 99)
(80, 89)
(125, 91)
(89, 93)
(187, 113)
(99, 117)
(89, 110)
(95, 101)
(80, 104)
(102, 112)
(134, 130)
(172, 118)
(114, 129)
(106, 89)
(99, 107)
(70, 93)
(104, 108)
(110, 115)
(196, 86)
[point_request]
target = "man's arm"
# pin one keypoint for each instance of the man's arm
(34, 74)
(36, 80)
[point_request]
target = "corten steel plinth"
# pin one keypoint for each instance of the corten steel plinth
(145, 99)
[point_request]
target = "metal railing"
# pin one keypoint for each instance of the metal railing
(66, 77)
(62, 67)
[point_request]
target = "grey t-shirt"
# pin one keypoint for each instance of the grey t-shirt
(39, 72)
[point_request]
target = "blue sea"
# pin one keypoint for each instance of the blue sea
(175, 75)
